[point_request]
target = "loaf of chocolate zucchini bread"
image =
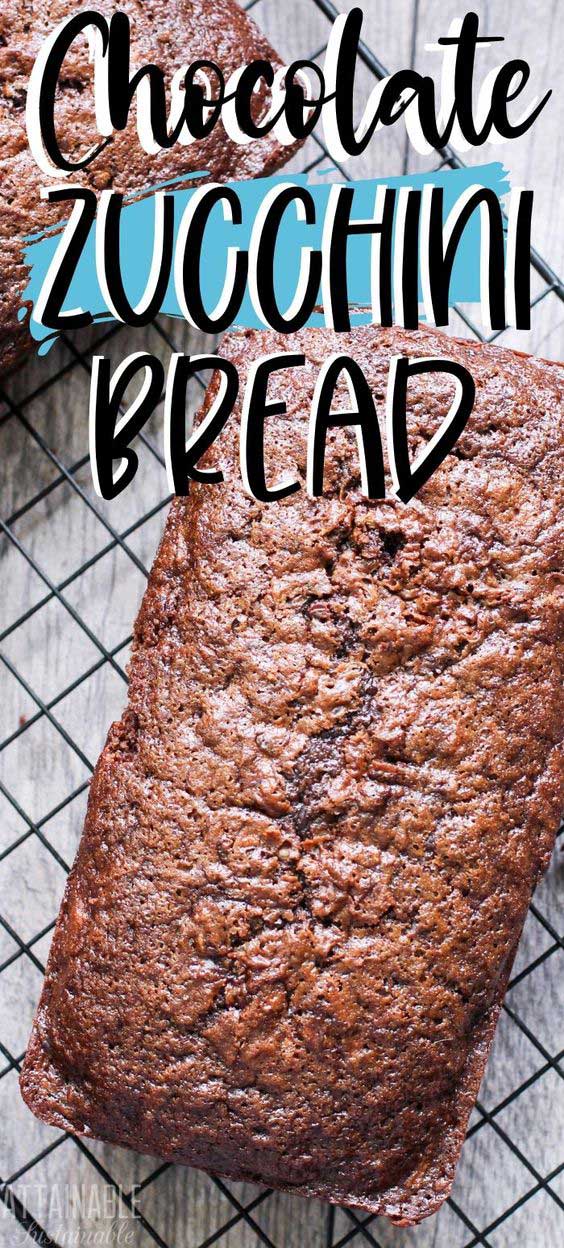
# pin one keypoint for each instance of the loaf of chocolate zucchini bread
(167, 33)
(313, 836)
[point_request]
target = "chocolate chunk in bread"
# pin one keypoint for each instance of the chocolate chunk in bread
(312, 838)
(167, 33)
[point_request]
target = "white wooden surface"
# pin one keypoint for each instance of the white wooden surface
(53, 649)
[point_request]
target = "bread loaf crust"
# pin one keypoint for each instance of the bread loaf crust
(167, 33)
(312, 839)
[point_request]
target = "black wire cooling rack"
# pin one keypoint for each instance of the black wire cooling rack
(464, 1228)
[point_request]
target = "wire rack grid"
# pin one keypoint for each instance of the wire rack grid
(43, 820)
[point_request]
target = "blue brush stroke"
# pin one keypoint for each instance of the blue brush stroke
(137, 246)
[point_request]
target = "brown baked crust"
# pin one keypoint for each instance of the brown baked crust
(312, 839)
(168, 33)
